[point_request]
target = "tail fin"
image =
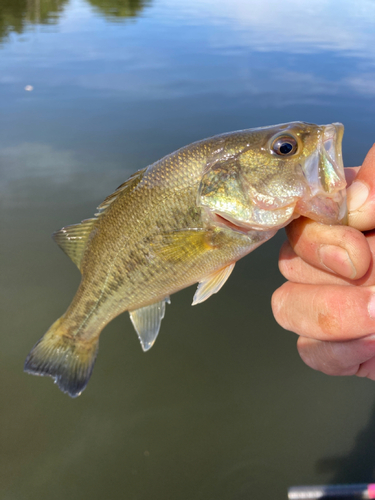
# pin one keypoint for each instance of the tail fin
(66, 359)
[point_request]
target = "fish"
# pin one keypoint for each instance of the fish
(186, 219)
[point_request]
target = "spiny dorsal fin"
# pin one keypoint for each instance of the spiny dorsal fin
(146, 322)
(130, 183)
(72, 239)
(212, 284)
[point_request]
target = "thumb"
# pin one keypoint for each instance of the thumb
(361, 195)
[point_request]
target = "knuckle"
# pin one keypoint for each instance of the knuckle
(287, 268)
(278, 304)
(367, 369)
(275, 303)
(290, 265)
(312, 354)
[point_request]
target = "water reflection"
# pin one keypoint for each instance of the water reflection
(16, 14)
(115, 9)
(287, 27)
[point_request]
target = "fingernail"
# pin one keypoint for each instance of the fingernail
(371, 306)
(337, 260)
(357, 195)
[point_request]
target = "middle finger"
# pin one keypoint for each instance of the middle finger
(329, 312)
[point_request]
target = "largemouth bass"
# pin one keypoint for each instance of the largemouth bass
(186, 219)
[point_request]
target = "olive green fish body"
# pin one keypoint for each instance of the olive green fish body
(186, 219)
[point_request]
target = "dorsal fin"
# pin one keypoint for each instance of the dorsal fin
(130, 183)
(72, 239)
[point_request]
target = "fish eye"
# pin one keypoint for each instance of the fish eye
(284, 145)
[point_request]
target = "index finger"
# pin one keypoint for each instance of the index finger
(361, 195)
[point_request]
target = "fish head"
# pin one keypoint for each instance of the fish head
(263, 178)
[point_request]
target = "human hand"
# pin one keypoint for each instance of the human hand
(329, 298)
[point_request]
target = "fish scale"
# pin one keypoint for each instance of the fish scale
(186, 219)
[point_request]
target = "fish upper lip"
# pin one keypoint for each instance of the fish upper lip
(333, 130)
(332, 139)
(328, 153)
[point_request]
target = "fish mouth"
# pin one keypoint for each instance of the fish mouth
(223, 221)
(226, 221)
(332, 140)
(324, 172)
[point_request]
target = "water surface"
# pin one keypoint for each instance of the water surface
(221, 407)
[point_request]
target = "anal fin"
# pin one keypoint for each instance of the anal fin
(146, 322)
(212, 284)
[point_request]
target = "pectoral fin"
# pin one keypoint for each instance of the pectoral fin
(146, 322)
(212, 284)
(181, 246)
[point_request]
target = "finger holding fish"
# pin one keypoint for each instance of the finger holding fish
(296, 269)
(361, 195)
(299, 257)
(337, 249)
(340, 250)
(334, 315)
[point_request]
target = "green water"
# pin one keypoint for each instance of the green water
(221, 407)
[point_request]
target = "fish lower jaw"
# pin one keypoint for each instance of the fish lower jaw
(221, 220)
(324, 209)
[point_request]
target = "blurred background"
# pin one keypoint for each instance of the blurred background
(221, 407)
